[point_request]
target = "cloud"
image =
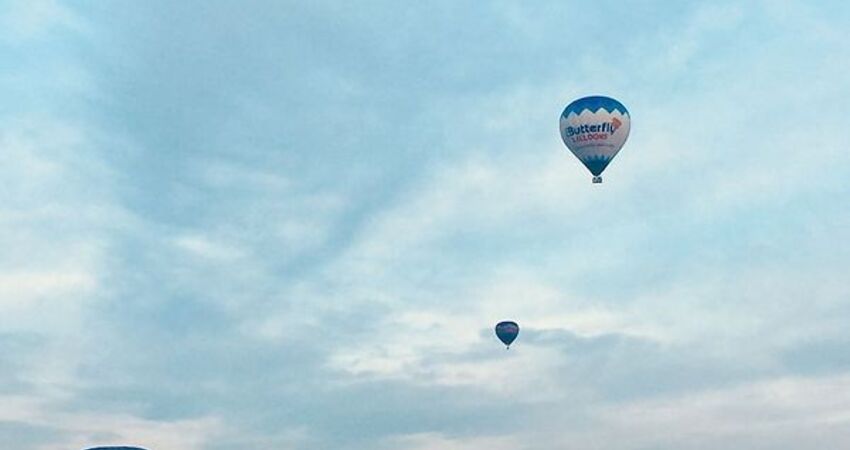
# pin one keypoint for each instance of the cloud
(27, 20)
(781, 413)
(432, 441)
(294, 227)
(40, 424)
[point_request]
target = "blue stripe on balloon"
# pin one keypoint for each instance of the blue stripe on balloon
(596, 164)
(594, 104)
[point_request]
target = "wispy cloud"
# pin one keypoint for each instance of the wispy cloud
(294, 226)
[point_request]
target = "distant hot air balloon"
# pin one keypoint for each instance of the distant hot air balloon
(507, 332)
(595, 129)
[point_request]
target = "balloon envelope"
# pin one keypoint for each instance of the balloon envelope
(507, 332)
(595, 129)
(116, 448)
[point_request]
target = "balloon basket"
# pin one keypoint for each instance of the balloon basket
(597, 180)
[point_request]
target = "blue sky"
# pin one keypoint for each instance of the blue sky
(292, 225)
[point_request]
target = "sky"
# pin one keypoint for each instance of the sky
(293, 225)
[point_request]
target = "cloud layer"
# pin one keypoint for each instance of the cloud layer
(293, 226)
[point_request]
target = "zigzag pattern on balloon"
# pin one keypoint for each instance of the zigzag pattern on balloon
(594, 104)
(596, 164)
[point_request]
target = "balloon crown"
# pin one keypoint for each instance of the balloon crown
(593, 104)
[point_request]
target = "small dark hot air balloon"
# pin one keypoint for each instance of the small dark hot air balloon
(507, 332)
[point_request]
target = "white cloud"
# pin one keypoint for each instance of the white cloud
(86, 429)
(24, 20)
(436, 441)
(22, 289)
(53, 218)
(500, 223)
(780, 413)
(205, 247)
(685, 45)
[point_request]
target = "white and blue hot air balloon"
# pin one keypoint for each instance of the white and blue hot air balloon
(595, 129)
(120, 447)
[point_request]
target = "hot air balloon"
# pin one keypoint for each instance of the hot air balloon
(595, 129)
(507, 332)
(124, 447)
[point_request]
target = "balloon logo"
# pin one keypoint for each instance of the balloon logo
(595, 129)
(507, 332)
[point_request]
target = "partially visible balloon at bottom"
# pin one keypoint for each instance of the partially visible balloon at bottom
(507, 332)
(116, 448)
